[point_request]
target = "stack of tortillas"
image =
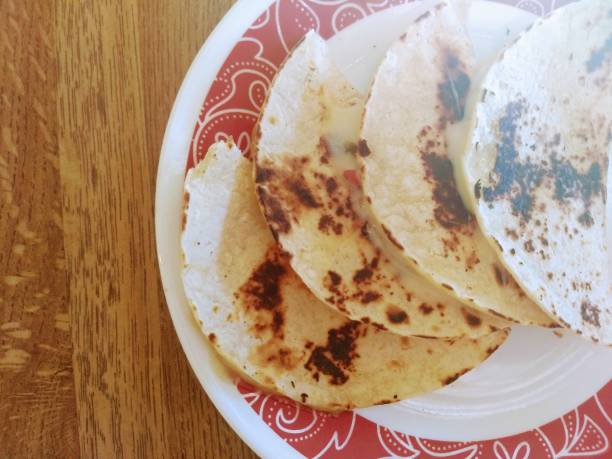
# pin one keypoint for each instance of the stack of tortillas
(338, 263)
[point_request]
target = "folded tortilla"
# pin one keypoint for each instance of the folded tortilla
(538, 164)
(263, 320)
(420, 92)
(304, 141)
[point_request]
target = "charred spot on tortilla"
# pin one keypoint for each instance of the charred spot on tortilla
(383, 402)
(501, 316)
(601, 55)
(327, 225)
(396, 315)
(273, 354)
(501, 275)
(185, 207)
(263, 174)
(325, 150)
(512, 234)
(471, 319)
(212, 338)
(590, 314)
(426, 309)
(335, 359)
(514, 179)
(472, 261)
(262, 290)
(273, 210)
(455, 377)
(370, 297)
(391, 238)
(350, 147)
(491, 350)
(331, 185)
(570, 184)
(183, 221)
(379, 327)
(301, 191)
(453, 91)
(450, 210)
(363, 275)
(363, 149)
(335, 278)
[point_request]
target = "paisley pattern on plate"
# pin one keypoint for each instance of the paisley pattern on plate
(231, 109)
(584, 432)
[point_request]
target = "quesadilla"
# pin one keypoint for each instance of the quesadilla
(268, 326)
(304, 141)
(419, 92)
(538, 164)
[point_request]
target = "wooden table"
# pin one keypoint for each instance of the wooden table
(89, 361)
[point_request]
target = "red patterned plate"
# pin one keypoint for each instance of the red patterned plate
(536, 379)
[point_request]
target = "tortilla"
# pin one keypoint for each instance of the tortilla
(314, 213)
(418, 93)
(264, 321)
(538, 164)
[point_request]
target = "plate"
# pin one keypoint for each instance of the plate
(535, 378)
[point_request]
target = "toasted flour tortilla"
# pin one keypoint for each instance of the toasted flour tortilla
(264, 321)
(538, 164)
(312, 209)
(418, 93)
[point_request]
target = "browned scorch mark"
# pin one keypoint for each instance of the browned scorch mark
(301, 191)
(501, 275)
(263, 292)
(363, 149)
(471, 261)
(363, 275)
(327, 225)
(590, 314)
(455, 377)
(450, 211)
(185, 207)
(471, 319)
(397, 315)
(274, 213)
(335, 359)
(370, 297)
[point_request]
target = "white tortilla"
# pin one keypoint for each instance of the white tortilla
(408, 174)
(267, 325)
(316, 215)
(538, 164)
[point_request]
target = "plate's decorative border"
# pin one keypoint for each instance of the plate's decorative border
(584, 432)
(231, 109)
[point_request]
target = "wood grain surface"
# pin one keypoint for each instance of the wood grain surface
(90, 365)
